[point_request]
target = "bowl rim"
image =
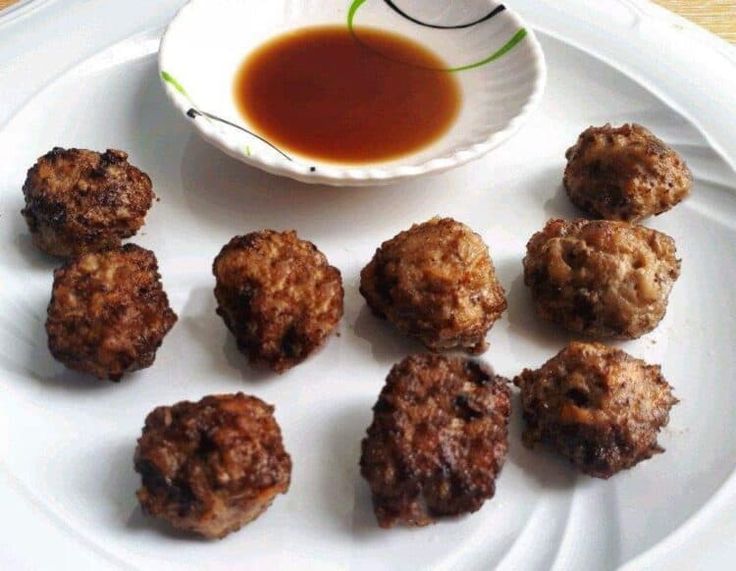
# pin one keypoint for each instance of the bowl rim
(351, 175)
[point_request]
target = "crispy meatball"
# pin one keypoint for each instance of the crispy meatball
(108, 313)
(625, 173)
(212, 466)
(436, 282)
(437, 442)
(278, 295)
(601, 278)
(597, 406)
(80, 201)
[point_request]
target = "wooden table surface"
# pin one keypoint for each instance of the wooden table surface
(718, 16)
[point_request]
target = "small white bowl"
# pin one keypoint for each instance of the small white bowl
(502, 75)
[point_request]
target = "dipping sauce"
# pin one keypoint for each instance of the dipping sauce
(323, 93)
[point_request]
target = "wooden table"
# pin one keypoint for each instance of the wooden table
(718, 16)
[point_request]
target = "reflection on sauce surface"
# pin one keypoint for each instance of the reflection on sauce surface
(321, 93)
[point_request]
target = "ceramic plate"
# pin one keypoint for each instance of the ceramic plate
(67, 441)
(20, 9)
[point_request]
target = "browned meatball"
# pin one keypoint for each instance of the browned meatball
(80, 201)
(278, 295)
(108, 313)
(437, 442)
(625, 173)
(436, 282)
(597, 406)
(601, 278)
(212, 466)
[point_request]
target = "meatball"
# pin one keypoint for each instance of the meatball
(625, 173)
(437, 442)
(108, 313)
(597, 406)
(601, 278)
(212, 466)
(278, 295)
(436, 282)
(80, 201)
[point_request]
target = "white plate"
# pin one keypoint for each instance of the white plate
(19, 9)
(497, 62)
(67, 442)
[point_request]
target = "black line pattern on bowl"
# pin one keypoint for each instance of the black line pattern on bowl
(497, 10)
(194, 113)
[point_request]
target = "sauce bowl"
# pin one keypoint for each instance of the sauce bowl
(495, 57)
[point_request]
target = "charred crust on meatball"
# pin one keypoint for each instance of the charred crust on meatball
(212, 466)
(625, 173)
(278, 295)
(108, 312)
(437, 442)
(436, 282)
(79, 201)
(597, 406)
(601, 278)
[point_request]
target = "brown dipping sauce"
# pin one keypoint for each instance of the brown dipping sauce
(322, 93)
